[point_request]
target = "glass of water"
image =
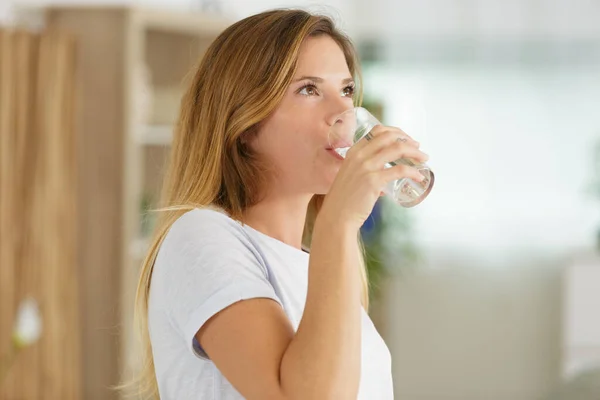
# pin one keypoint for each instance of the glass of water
(356, 124)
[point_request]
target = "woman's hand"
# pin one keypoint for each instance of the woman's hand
(363, 176)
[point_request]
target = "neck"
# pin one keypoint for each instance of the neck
(280, 216)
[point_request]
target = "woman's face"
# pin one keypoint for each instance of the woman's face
(294, 137)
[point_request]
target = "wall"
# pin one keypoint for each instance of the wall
(511, 145)
(461, 331)
(512, 149)
(557, 19)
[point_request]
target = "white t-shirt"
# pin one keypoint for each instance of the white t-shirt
(209, 261)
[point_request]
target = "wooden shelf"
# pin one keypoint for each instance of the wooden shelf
(125, 141)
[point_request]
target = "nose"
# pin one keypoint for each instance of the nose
(337, 106)
(340, 122)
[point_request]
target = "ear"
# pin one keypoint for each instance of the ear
(247, 137)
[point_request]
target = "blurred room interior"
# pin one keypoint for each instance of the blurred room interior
(490, 289)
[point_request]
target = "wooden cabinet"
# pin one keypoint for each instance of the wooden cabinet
(131, 65)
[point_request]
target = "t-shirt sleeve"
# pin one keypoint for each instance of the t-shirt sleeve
(205, 264)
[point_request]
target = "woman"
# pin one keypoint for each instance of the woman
(230, 303)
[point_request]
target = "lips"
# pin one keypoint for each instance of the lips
(334, 154)
(339, 145)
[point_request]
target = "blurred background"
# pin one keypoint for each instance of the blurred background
(489, 289)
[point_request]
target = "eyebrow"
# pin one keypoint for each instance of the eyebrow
(320, 80)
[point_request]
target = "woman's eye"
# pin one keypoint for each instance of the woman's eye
(311, 90)
(308, 90)
(348, 91)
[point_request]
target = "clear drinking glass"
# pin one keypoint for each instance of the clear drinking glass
(356, 124)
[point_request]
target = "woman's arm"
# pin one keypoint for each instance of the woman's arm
(252, 342)
(323, 359)
(254, 345)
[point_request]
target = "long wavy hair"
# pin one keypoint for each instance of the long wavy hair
(238, 83)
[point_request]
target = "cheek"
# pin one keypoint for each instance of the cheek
(294, 144)
(288, 151)
(288, 138)
(294, 155)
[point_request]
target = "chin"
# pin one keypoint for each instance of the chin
(324, 186)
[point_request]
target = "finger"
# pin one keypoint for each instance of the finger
(400, 171)
(379, 129)
(384, 141)
(379, 137)
(399, 150)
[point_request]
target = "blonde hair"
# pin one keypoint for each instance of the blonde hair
(241, 79)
